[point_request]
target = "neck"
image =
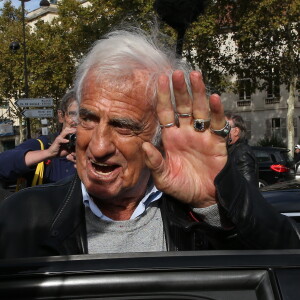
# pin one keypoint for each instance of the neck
(117, 212)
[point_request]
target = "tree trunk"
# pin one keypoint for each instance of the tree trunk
(21, 129)
(290, 115)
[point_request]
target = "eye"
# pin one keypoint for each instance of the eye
(88, 120)
(87, 123)
(125, 131)
(125, 127)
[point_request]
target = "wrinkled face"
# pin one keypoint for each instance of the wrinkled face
(114, 122)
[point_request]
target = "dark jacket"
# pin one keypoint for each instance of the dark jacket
(245, 160)
(12, 163)
(49, 220)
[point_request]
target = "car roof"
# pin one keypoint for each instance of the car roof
(270, 149)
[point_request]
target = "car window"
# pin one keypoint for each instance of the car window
(278, 158)
(275, 157)
(262, 156)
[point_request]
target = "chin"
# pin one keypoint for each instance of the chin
(104, 191)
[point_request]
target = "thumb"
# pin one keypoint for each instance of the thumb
(154, 160)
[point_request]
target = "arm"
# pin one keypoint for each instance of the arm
(12, 162)
(246, 163)
(257, 224)
(34, 157)
(23, 159)
(195, 170)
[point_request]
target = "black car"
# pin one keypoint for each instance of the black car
(284, 197)
(189, 275)
(274, 164)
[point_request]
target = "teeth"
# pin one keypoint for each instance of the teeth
(100, 164)
(104, 168)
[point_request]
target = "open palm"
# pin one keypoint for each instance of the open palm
(191, 159)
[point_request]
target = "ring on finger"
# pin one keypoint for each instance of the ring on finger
(222, 132)
(167, 125)
(185, 115)
(201, 124)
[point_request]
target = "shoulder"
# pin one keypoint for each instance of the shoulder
(36, 200)
(46, 140)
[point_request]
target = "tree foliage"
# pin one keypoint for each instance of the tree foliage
(54, 49)
(232, 37)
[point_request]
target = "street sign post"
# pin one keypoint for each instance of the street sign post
(38, 113)
(35, 102)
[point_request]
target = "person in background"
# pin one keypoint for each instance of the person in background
(297, 154)
(23, 159)
(239, 149)
(297, 158)
(153, 173)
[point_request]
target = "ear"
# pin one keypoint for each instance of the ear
(237, 131)
(60, 115)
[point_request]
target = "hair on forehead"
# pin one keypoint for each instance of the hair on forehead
(123, 51)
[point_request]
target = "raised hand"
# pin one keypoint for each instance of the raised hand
(191, 159)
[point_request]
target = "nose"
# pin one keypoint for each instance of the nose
(102, 142)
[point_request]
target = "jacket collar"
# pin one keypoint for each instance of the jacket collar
(67, 234)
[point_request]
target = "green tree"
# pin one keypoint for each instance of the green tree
(207, 45)
(11, 62)
(267, 35)
(54, 49)
(258, 38)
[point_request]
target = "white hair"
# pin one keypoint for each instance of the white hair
(121, 52)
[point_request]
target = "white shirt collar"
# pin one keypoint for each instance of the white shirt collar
(152, 194)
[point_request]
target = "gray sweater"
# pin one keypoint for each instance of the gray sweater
(143, 234)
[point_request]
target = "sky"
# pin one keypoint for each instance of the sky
(29, 6)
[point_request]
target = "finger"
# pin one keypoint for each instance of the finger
(67, 130)
(164, 106)
(200, 102)
(182, 98)
(154, 161)
(217, 112)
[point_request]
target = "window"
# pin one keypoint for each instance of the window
(248, 127)
(278, 127)
(244, 89)
(244, 85)
(262, 156)
(273, 88)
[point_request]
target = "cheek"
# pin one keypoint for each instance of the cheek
(134, 155)
(82, 141)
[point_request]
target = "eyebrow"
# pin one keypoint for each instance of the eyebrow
(84, 112)
(117, 122)
(127, 123)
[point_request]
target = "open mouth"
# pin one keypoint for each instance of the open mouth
(104, 168)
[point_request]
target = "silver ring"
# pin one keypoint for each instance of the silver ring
(201, 124)
(222, 132)
(167, 125)
(186, 115)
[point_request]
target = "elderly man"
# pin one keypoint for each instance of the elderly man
(153, 175)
